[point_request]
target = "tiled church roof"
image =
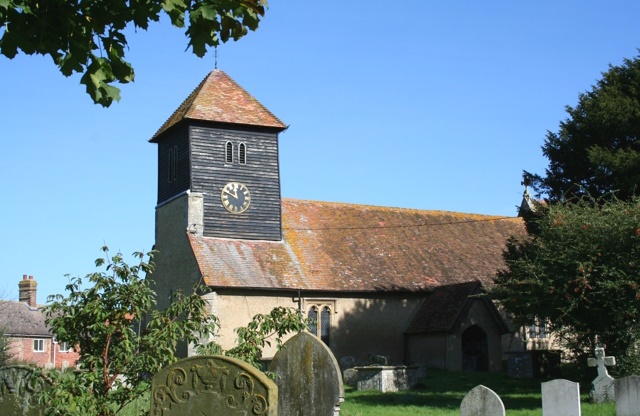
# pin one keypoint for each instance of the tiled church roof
(220, 99)
(346, 247)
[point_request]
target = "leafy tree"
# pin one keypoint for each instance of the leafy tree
(580, 271)
(596, 152)
(87, 36)
(104, 323)
(5, 348)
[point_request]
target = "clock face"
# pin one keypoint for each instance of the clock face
(235, 197)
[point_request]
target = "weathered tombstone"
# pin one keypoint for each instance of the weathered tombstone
(18, 386)
(350, 377)
(627, 392)
(308, 377)
(347, 362)
(560, 398)
(481, 401)
(212, 385)
(602, 390)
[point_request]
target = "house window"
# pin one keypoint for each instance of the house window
(538, 329)
(173, 163)
(319, 313)
(228, 152)
(64, 347)
(242, 154)
(38, 345)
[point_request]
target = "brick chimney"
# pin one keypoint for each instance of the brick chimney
(28, 288)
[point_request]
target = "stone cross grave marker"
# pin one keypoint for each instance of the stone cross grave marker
(308, 378)
(18, 385)
(627, 392)
(602, 390)
(561, 398)
(481, 401)
(212, 386)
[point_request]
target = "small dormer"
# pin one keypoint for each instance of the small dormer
(222, 143)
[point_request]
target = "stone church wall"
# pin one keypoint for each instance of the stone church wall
(360, 326)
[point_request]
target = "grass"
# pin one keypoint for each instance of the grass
(441, 393)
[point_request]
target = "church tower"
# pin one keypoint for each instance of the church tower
(221, 145)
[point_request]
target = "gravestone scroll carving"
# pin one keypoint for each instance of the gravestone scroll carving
(19, 385)
(212, 385)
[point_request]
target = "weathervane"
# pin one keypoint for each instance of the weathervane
(215, 54)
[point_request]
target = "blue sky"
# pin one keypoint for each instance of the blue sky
(428, 105)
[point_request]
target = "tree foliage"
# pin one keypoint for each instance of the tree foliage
(104, 324)
(596, 152)
(5, 348)
(87, 36)
(580, 270)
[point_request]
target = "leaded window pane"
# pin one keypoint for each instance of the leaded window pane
(325, 325)
(313, 317)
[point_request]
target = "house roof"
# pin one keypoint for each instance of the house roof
(443, 307)
(347, 247)
(220, 99)
(18, 319)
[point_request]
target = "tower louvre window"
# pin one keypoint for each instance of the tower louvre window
(242, 154)
(229, 152)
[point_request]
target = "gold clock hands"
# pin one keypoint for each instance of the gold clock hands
(235, 194)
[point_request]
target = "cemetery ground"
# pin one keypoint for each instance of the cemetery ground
(441, 392)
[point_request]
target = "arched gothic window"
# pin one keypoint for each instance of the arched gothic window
(228, 152)
(313, 318)
(325, 325)
(242, 154)
(319, 312)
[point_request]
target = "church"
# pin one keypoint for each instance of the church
(375, 280)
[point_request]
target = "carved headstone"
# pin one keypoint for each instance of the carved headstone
(212, 385)
(602, 390)
(308, 377)
(627, 392)
(560, 398)
(18, 386)
(481, 401)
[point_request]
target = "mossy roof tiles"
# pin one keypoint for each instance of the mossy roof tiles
(18, 319)
(347, 247)
(220, 99)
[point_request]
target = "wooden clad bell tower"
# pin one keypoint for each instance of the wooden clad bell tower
(221, 145)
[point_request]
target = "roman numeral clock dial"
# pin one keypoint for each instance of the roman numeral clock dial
(236, 198)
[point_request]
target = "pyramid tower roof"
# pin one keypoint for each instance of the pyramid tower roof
(220, 99)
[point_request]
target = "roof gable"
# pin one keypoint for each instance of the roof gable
(347, 247)
(18, 319)
(220, 99)
(446, 304)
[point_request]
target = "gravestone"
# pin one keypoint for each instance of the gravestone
(560, 398)
(602, 390)
(627, 392)
(212, 385)
(481, 401)
(308, 378)
(350, 377)
(18, 386)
